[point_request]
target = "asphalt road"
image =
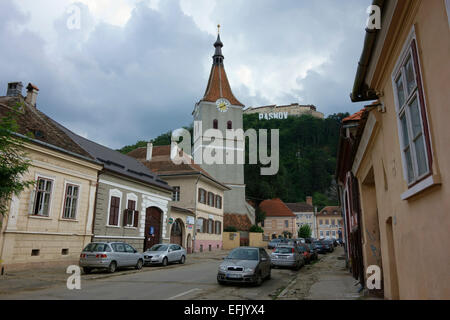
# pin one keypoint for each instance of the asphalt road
(193, 281)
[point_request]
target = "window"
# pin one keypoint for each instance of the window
(176, 194)
(262, 223)
(215, 124)
(70, 202)
(118, 247)
(64, 252)
(114, 211)
(202, 196)
(131, 216)
(286, 223)
(333, 222)
(411, 115)
(321, 222)
(321, 233)
(42, 199)
(210, 199)
(326, 221)
(128, 248)
(229, 125)
(218, 227)
(328, 233)
(210, 226)
(200, 225)
(218, 202)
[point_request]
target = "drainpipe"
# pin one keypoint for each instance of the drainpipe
(195, 215)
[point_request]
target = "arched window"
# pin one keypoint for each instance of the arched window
(229, 125)
(215, 124)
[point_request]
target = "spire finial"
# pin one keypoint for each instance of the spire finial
(218, 29)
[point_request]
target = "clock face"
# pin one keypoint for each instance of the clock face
(222, 104)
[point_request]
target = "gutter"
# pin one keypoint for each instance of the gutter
(360, 91)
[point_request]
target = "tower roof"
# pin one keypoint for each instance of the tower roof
(218, 85)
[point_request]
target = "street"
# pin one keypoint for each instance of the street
(196, 280)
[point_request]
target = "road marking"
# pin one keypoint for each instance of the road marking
(184, 293)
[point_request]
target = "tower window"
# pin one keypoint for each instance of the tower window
(215, 124)
(229, 125)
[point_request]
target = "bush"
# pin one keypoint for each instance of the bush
(304, 231)
(230, 229)
(256, 229)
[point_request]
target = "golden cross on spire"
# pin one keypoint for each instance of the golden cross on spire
(218, 28)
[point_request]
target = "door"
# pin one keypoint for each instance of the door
(131, 255)
(119, 254)
(176, 234)
(152, 227)
(189, 244)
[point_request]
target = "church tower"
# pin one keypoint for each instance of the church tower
(219, 109)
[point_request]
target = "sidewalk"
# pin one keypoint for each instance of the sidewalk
(42, 278)
(327, 279)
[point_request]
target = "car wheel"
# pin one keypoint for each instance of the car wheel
(183, 259)
(87, 270)
(165, 262)
(220, 282)
(139, 264)
(259, 279)
(112, 267)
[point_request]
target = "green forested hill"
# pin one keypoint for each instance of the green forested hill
(308, 148)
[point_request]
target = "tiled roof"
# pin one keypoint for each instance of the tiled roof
(219, 87)
(162, 165)
(239, 221)
(115, 161)
(42, 127)
(354, 117)
(330, 210)
(276, 208)
(300, 207)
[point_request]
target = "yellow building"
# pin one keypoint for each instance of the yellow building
(398, 183)
(51, 222)
(329, 223)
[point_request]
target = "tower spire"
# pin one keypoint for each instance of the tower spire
(218, 56)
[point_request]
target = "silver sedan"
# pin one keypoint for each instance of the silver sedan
(164, 254)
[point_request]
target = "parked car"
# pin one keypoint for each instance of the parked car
(320, 247)
(329, 244)
(110, 256)
(164, 254)
(275, 242)
(287, 256)
(313, 251)
(245, 265)
(303, 250)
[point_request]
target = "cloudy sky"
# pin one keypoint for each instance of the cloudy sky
(127, 70)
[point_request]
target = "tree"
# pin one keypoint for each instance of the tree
(12, 161)
(256, 229)
(260, 215)
(304, 231)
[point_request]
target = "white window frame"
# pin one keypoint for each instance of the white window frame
(403, 110)
(132, 197)
(176, 194)
(76, 184)
(53, 179)
(114, 193)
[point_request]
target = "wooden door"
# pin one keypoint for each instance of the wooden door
(176, 234)
(152, 227)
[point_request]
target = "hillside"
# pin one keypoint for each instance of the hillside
(308, 148)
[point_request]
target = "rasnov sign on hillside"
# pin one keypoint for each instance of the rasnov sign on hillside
(273, 115)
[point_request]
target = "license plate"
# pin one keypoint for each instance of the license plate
(282, 257)
(234, 276)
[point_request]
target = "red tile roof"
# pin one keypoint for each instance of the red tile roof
(354, 117)
(276, 208)
(330, 210)
(219, 87)
(239, 221)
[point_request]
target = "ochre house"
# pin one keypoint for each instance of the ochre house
(280, 220)
(394, 168)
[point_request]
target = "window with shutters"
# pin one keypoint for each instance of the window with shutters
(130, 219)
(210, 199)
(114, 208)
(200, 225)
(42, 197)
(218, 227)
(202, 196)
(411, 115)
(218, 202)
(210, 226)
(71, 201)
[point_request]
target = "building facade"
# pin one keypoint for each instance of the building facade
(305, 213)
(330, 224)
(198, 199)
(217, 114)
(132, 202)
(400, 156)
(50, 222)
(280, 221)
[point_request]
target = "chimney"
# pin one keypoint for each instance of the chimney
(149, 151)
(14, 89)
(309, 200)
(32, 92)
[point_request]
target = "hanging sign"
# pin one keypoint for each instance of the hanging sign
(152, 231)
(170, 220)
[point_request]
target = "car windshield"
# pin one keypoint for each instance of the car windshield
(158, 247)
(244, 254)
(284, 250)
(276, 240)
(96, 247)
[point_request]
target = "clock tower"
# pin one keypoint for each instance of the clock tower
(219, 109)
